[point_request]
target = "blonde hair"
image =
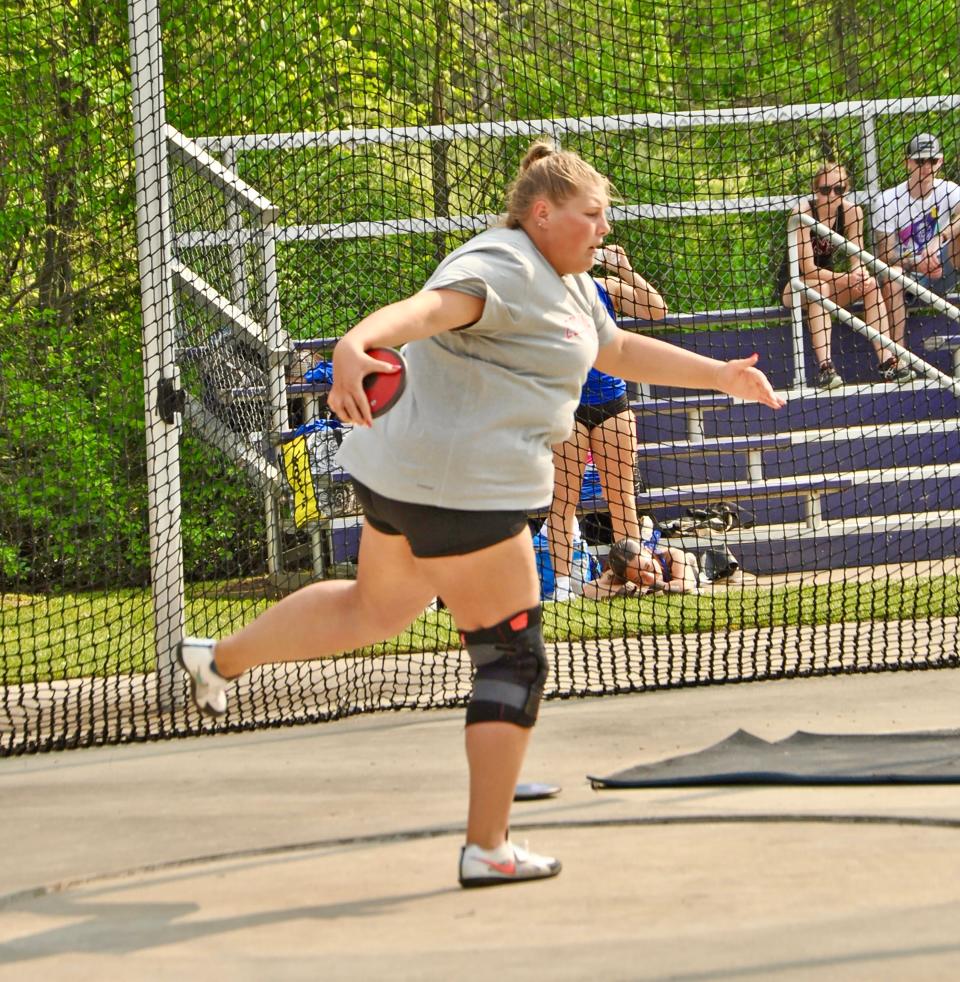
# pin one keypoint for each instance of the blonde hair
(548, 172)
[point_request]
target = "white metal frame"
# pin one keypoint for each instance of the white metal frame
(154, 250)
(160, 277)
(270, 338)
(866, 110)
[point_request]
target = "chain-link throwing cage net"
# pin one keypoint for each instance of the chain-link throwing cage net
(303, 166)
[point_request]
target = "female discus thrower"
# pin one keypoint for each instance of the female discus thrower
(499, 342)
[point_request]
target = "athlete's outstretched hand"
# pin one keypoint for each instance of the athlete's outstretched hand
(740, 379)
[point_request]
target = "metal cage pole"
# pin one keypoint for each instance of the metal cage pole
(162, 392)
(796, 305)
(278, 345)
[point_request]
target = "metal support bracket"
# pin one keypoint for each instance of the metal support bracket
(170, 400)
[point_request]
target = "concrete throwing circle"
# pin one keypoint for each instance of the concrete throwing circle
(755, 897)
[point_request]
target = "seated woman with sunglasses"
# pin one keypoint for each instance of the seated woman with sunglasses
(635, 568)
(820, 260)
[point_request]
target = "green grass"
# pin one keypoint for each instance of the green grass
(43, 638)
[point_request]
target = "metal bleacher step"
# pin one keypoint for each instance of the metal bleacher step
(887, 524)
(807, 488)
(752, 445)
(845, 406)
(731, 444)
(715, 401)
(686, 401)
(874, 490)
(906, 489)
(942, 342)
(915, 472)
(837, 543)
(872, 431)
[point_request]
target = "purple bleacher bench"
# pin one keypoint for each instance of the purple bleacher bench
(694, 406)
(308, 388)
(726, 444)
(752, 445)
(810, 487)
(683, 404)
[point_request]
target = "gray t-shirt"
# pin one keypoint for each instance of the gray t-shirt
(484, 404)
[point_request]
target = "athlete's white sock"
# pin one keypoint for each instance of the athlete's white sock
(563, 590)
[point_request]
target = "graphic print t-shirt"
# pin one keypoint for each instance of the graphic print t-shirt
(914, 221)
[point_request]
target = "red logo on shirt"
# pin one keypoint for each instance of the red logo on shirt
(573, 327)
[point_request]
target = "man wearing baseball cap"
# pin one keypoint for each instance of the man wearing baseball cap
(915, 227)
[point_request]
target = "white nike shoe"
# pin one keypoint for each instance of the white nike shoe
(505, 864)
(209, 686)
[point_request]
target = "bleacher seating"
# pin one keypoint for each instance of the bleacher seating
(863, 473)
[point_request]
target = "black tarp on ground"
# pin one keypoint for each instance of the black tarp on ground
(805, 758)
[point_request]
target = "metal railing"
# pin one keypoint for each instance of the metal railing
(268, 338)
(866, 111)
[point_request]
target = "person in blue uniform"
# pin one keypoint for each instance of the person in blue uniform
(604, 426)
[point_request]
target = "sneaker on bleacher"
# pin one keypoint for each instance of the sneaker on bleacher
(827, 377)
(209, 687)
(892, 371)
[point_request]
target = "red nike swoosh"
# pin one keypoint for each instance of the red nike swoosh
(508, 869)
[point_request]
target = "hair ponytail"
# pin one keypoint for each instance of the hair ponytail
(539, 150)
(549, 172)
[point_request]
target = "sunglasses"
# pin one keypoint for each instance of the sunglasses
(925, 160)
(827, 189)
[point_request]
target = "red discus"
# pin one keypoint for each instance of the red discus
(383, 389)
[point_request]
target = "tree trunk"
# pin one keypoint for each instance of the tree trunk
(68, 142)
(845, 27)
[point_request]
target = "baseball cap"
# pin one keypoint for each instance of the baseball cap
(922, 146)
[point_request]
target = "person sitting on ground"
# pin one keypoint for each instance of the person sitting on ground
(636, 567)
(820, 260)
(916, 226)
(604, 425)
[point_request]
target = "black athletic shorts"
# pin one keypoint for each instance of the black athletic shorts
(592, 416)
(434, 532)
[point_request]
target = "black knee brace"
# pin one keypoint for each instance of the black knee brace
(511, 665)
